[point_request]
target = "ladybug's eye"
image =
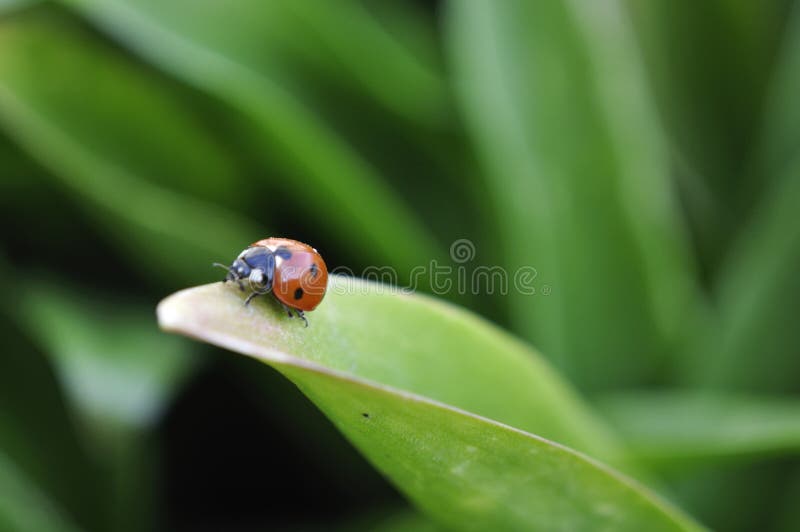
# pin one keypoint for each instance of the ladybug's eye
(240, 269)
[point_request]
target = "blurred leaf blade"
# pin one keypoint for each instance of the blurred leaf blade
(42, 453)
(151, 223)
(337, 185)
(24, 507)
(118, 370)
(581, 177)
(788, 517)
(119, 376)
(89, 89)
(405, 520)
(391, 70)
(752, 345)
(711, 101)
(452, 473)
(674, 429)
(11, 5)
(776, 148)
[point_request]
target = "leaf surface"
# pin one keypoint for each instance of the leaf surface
(413, 384)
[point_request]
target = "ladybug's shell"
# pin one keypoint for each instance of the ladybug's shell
(301, 279)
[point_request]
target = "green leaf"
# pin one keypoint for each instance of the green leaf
(224, 50)
(24, 507)
(40, 450)
(394, 521)
(758, 290)
(711, 102)
(11, 5)
(788, 517)
(752, 344)
(51, 107)
(60, 69)
(558, 107)
(407, 379)
(466, 362)
(777, 147)
(670, 429)
(749, 344)
(735, 498)
(348, 39)
(119, 375)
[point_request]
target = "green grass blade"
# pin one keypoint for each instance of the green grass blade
(119, 376)
(560, 114)
(711, 101)
(687, 429)
(114, 105)
(752, 344)
(409, 393)
(788, 518)
(11, 5)
(39, 439)
(24, 507)
(212, 51)
(80, 141)
(348, 37)
(777, 146)
(732, 498)
(392, 521)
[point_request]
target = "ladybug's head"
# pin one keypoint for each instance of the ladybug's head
(239, 270)
(255, 264)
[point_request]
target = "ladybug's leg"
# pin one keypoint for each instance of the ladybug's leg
(287, 309)
(300, 313)
(251, 296)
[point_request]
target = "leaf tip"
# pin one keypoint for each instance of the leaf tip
(168, 312)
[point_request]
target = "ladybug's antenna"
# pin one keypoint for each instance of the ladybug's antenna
(230, 277)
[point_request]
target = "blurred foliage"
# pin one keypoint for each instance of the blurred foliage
(640, 155)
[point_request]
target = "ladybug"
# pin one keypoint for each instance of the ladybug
(294, 272)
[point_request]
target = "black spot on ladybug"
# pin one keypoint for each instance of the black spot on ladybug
(314, 271)
(365, 415)
(298, 293)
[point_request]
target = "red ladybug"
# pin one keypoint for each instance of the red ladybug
(294, 272)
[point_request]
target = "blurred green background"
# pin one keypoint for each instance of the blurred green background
(642, 156)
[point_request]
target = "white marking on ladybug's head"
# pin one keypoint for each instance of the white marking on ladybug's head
(272, 248)
(278, 260)
(256, 276)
